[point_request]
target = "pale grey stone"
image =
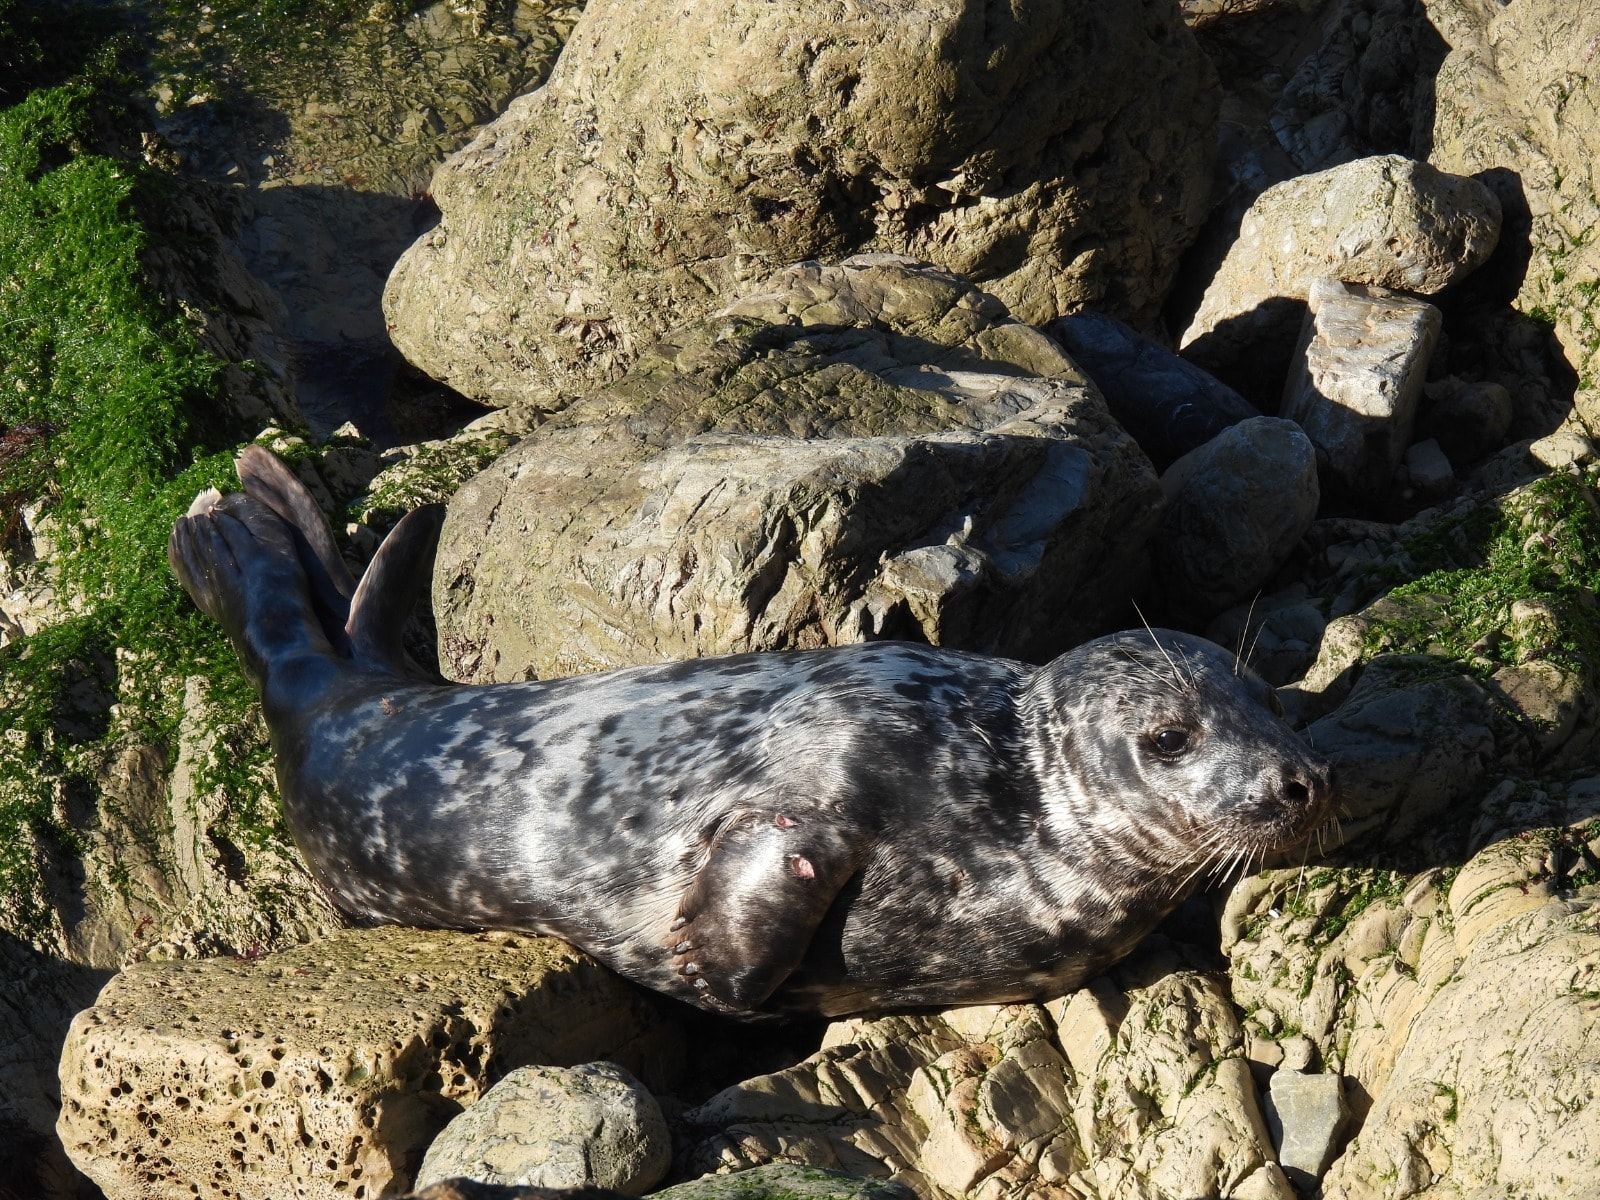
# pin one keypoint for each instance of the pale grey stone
(1306, 1114)
(592, 1125)
(1359, 371)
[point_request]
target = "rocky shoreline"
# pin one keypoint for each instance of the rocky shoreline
(779, 329)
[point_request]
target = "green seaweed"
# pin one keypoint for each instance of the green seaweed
(103, 396)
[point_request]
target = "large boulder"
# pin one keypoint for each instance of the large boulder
(1517, 102)
(1236, 507)
(329, 1067)
(1384, 221)
(869, 450)
(677, 154)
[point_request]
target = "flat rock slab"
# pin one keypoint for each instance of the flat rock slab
(326, 1070)
(677, 154)
(1306, 1114)
(1102, 1094)
(1358, 373)
(856, 451)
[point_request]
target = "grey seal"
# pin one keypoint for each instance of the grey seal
(868, 827)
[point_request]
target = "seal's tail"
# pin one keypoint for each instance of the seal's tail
(262, 562)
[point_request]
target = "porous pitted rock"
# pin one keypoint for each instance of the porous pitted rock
(1169, 405)
(1384, 221)
(1236, 507)
(676, 155)
(1099, 1095)
(914, 464)
(1356, 379)
(592, 1125)
(1457, 1002)
(327, 1069)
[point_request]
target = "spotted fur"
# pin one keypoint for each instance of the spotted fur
(866, 827)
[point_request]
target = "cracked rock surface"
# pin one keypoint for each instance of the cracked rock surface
(676, 156)
(874, 449)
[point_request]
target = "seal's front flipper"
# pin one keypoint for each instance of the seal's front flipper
(749, 915)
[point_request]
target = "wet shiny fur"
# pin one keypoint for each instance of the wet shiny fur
(868, 827)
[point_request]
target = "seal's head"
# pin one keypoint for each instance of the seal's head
(1173, 745)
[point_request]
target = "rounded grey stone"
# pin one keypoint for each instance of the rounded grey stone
(593, 1125)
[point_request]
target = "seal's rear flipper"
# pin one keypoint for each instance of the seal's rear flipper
(748, 917)
(398, 573)
(266, 477)
(238, 560)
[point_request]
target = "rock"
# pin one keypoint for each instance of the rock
(1169, 405)
(1514, 103)
(1236, 507)
(1412, 741)
(1173, 1110)
(1385, 221)
(1468, 420)
(784, 1181)
(1306, 1114)
(471, 1189)
(1359, 371)
(780, 1181)
(331, 1066)
(1277, 635)
(40, 996)
(1428, 470)
(557, 1127)
(653, 177)
(1365, 88)
(1389, 974)
(917, 465)
(1155, 1101)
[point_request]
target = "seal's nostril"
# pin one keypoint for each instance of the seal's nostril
(1295, 789)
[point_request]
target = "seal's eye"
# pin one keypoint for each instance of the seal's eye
(1170, 742)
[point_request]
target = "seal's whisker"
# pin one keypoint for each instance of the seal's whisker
(1176, 674)
(1244, 632)
(1249, 658)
